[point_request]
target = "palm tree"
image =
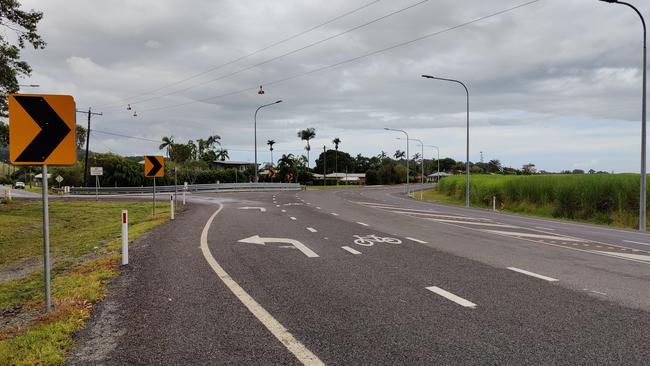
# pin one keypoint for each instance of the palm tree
(167, 143)
(336, 143)
(222, 155)
(307, 134)
(271, 143)
(399, 154)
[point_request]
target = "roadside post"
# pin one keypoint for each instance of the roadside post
(171, 206)
(59, 179)
(153, 167)
(96, 171)
(125, 237)
(494, 203)
(184, 190)
(42, 132)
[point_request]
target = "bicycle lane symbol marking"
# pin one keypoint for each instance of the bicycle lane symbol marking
(370, 240)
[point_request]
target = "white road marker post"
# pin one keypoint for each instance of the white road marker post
(46, 243)
(494, 203)
(125, 237)
(171, 203)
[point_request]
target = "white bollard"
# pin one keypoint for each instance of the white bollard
(183, 198)
(125, 237)
(171, 203)
(494, 203)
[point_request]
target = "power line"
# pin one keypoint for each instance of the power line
(127, 136)
(247, 55)
(225, 76)
(313, 71)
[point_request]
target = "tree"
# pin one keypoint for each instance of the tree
(205, 149)
(4, 137)
(80, 136)
(23, 24)
(336, 143)
(271, 143)
(222, 155)
(494, 166)
(181, 153)
(306, 135)
(330, 163)
(399, 154)
(167, 143)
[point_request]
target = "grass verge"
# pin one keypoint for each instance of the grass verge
(604, 199)
(85, 244)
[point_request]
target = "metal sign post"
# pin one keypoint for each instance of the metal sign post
(46, 242)
(96, 171)
(96, 188)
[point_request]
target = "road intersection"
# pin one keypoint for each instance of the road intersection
(369, 276)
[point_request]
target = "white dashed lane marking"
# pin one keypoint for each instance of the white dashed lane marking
(449, 296)
(312, 229)
(532, 274)
(292, 218)
(348, 249)
(335, 214)
(416, 240)
(362, 223)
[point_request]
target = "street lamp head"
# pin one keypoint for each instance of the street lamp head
(610, 1)
(279, 101)
(428, 76)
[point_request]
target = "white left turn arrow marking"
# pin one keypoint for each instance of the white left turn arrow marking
(298, 245)
(262, 209)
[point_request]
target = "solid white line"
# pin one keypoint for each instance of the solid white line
(312, 229)
(544, 228)
(351, 250)
(635, 242)
(640, 257)
(532, 274)
(292, 218)
(362, 223)
(416, 240)
(534, 236)
(449, 296)
(475, 223)
(278, 330)
(335, 214)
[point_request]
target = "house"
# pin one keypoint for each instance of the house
(437, 176)
(232, 164)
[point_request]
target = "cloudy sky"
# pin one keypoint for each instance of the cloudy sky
(556, 82)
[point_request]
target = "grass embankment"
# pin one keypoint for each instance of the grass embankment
(610, 199)
(85, 243)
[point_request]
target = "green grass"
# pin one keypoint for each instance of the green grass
(85, 240)
(610, 199)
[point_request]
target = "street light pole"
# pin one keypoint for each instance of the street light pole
(438, 151)
(467, 147)
(642, 198)
(255, 129)
(408, 190)
(422, 172)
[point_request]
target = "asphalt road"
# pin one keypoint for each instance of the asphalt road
(370, 277)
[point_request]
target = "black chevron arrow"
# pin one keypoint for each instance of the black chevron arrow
(53, 129)
(156, 165)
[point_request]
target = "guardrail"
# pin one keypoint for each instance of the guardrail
(221, 187)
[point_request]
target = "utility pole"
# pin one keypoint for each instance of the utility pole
(324, 165)
(89, 113)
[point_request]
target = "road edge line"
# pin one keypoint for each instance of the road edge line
(278, 330)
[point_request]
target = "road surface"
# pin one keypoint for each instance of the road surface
(368, 276)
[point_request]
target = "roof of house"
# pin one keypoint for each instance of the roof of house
(233, 162)
(348, 176)
(440, 174)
